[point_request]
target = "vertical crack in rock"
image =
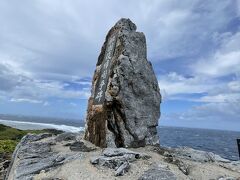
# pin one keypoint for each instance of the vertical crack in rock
(124, 107)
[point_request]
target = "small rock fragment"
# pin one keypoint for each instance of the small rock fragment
(35, 137)
(227, 178)
(183, 167)
(94, 160)
(67, 136)
(118, 159)
(122, 169)
(197, 155)
(80, 146)
(158, 172)
(110, 152)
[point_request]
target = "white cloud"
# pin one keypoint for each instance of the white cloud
(220, 111)
(73, 104)
(220, 98)
(209, 115)
(42, 34)
(220, 64)
(26, 88)
(234, 86)
(217, 77)
(48, 89)
(46, 103)
(209, 90)
(47, 45)
(59, 40)
(26, 100)
(225, 61)
(173, 84)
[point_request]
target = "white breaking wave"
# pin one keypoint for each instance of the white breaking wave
(32, 125)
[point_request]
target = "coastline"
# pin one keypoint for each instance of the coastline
(201, 139)
(24, 125)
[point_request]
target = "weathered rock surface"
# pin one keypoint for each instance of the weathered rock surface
(121, 170)
(118, 159)
(5, 159)
(67, 136)
(158, 172)
(33, 156)
(22, 152)
(45, 157)
(80, 146)
(184, 157)
(197, 155)
(124, 107)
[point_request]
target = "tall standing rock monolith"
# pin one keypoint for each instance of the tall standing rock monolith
(124, 107)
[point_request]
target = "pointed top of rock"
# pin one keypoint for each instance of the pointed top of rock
(126, 24)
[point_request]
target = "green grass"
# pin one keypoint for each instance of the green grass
(7, 146)
(9, 137)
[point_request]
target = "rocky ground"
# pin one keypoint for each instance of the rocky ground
(67, 156)
(5, 159)
(9, 138)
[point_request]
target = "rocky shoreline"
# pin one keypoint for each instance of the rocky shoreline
(69, 156)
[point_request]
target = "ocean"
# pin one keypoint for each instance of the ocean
(220, 142)
(223, 143)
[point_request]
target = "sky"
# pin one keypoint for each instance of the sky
(49, 50)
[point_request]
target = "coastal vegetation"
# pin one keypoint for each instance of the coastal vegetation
(9, 137)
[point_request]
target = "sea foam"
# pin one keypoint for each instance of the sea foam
(33, 125)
